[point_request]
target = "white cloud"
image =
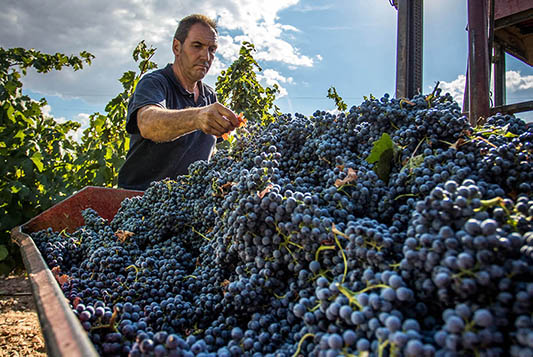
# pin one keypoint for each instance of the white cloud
(309, 8)
(82, 118)
(516, 82)
(216, 68)
(46, 109)
(271, 74)
(271, 77)
(270, 46)
(456, 88)
(228, 48)
(334, 111)
(277, 49)
(111, 29)
(520, 86)
(290, 28)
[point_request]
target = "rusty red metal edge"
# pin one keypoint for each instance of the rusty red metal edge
(67, 213)
(504, 8)
(62, 331)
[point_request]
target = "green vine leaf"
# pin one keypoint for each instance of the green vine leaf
(4, 253)
(382, 155)
(37, 160)
(384, 165)
(379, 147)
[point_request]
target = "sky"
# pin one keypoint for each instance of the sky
(304, 46)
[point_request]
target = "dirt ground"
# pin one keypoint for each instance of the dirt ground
(20, 332)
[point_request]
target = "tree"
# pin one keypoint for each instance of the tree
(105, 142)
(41, 164)
(35, 151)
(238, 88)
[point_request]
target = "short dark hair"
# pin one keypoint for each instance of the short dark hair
(186, 23)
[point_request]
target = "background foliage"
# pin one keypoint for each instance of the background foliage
(35, 151)
(339, 103)
(40, 162)
(104, 143)
(238, 88)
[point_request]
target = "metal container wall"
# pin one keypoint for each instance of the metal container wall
(62, 331)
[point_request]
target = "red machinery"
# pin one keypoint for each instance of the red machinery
(513, 34)
(63, 333)
(495, 27)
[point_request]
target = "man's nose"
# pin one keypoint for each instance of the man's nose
(206, 54)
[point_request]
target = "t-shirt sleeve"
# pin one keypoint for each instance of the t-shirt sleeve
(149, 90)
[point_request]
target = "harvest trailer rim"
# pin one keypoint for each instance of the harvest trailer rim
(62, 331)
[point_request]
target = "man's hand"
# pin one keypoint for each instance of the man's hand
(163, 125)
(215, 119)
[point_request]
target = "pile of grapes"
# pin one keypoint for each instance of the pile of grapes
(395, 229)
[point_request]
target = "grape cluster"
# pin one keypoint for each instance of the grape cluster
(291, 242)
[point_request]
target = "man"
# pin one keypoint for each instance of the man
(173, 118)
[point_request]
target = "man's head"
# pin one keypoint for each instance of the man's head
(194, 47)
(186, 23)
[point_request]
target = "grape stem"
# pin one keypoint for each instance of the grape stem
(335, 232)
(301, 342)
(200, 234)
(321, 248)
(352, 296)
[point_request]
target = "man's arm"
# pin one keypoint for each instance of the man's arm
(162, 125)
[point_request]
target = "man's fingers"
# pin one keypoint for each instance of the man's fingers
(218, 120)
(229, 115)
(217, 128)
(224, 124)
(234, 121)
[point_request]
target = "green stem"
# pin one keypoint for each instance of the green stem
(301, 342)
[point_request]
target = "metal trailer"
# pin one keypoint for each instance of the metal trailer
(505, 25)
(62, 331)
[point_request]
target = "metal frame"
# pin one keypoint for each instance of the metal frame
(509, 17)
(481, 41)
(485, 49)
(499, 75)
(409, 48)
(478, 61)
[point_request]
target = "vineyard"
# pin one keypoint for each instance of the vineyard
(41, 163)
(391, 229)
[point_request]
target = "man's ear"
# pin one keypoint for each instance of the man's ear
(176, 46)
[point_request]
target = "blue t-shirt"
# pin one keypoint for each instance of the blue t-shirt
(149, 161)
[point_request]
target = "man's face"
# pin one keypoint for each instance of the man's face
(196, 54)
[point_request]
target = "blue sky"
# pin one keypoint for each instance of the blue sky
(304, 46)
